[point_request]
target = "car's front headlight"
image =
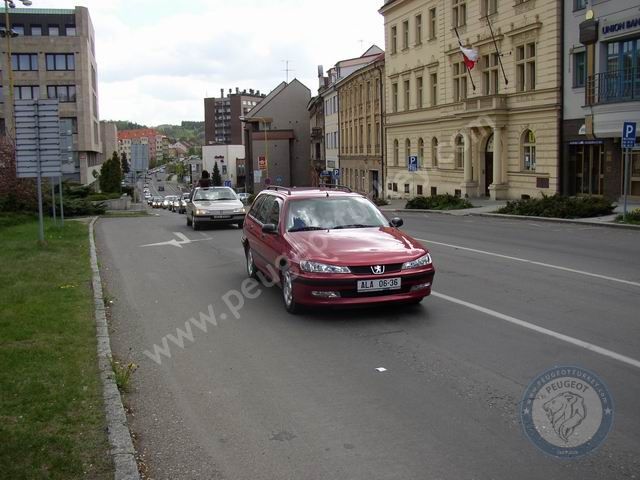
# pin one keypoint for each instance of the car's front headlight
(315, 267)
(418, 262)
(201, 212)
(240, 210)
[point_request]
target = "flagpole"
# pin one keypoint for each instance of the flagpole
(495, 44)
(465, 65)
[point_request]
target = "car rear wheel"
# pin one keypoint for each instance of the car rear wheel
(287, 293)
(251, 266)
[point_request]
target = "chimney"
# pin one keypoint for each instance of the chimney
(237, 90)
(222, 93)
(251, 91)
(258, 92)
(230, 91)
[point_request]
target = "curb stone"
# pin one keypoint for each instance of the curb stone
(122, 451)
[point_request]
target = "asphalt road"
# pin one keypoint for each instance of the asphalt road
(274, 396)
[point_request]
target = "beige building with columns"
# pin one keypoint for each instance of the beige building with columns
(361, 119)
(499, 139)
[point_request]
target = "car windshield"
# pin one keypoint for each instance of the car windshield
(214, 194)
(333, 213)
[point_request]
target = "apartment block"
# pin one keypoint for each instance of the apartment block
(222, 124)
(360, 97)
(491, 131)
(53, 56)
(145, 136)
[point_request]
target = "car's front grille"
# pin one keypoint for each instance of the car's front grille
(354, 293)
(367, 269)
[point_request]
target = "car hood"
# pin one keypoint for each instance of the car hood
(218, 205)
(357, 246)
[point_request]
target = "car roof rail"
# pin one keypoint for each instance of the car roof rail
(278, 188)
(344, 188)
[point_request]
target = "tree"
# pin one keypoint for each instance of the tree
(111, 174)
(216, 179)
(124, 164)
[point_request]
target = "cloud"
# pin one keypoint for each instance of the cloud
(158, 59)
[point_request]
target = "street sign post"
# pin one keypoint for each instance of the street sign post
(38, 151)
(227, 183)
(628, 143)
(412, 163)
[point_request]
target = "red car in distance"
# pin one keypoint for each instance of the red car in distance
(332, 247)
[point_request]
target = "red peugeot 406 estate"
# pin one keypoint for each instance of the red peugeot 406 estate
(330, 246)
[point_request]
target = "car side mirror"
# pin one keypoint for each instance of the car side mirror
(269, 228)
(397, 222)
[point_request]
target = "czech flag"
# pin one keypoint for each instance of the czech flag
(470, 57)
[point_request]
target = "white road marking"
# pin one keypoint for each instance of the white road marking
(533, 262)
(381, 369)
(184, 240)
(545, 331)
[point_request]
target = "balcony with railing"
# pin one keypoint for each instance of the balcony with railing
(613, 87)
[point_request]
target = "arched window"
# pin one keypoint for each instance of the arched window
(420, 152)
(434, 151)
(528, 151)
(407, 150)
(459, 151)
(396, 152)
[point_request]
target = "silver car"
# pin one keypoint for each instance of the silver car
(214, 205)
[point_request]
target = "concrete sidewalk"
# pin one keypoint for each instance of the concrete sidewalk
(487, 208)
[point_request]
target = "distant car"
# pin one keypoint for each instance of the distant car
(244, 197)
(157, 202)
(214, 205)
(149, 200)
(147, 195)
(168, 202)
(175, 204)
(161, 188)
(183, 202)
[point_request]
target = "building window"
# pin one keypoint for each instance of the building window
(61, 61)
(418, 29)
(419, 190)
(579, 69)
(579, 4)
(70, 30)
(459, 13)
(24, 61)
(72, 123)
(28, 92)
(396, 152)
(434, 151)
(526, 67)
(368, 138)
(36, 30)
(459, 151)
(528, 151)
(489, 7)
(19, 29)
(407, 94)
(394, 39)
(406, 188)
(407, 150)
(64, 93)
(459, 82)
(419, 92)
(54, 30)
(434, 89)
(490, 78)
(433, 26)
(395, 187)
(394, 97)
(420, 151)
(405, 34)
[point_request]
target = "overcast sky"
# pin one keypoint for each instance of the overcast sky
(156, 62)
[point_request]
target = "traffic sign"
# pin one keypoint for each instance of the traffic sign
(412, 163)
(279, 179)
(267, 181)
(336, 172)
(262, 162)
(326, 173)
(629, 135)
(227, 183)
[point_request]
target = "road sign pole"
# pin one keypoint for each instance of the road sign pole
(53, 199)
(61, 201)
(625, 155)
(39, 177)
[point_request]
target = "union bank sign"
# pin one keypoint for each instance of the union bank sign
(611, 28)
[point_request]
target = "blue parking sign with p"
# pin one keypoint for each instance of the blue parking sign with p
(629, 135)
(412, 163)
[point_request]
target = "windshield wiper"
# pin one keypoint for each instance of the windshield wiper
(305, 229)
(221, 199)
(353, 225)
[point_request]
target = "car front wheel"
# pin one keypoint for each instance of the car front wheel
(188, 221)
(251, 266)
(287, 293)
(194, 223)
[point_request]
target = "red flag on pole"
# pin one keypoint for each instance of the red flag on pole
(470, 57)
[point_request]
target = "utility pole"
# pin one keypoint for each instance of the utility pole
(287, 69)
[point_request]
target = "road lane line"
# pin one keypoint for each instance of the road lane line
(533, 262)
(545, 331)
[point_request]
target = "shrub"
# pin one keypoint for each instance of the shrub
(98, 197)
(633, 217)
(557, 206)
(11, 219)
(438, 202)
(380, 201)
(80, 207)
